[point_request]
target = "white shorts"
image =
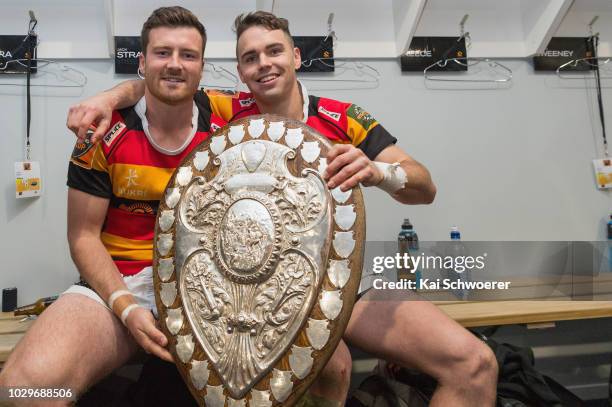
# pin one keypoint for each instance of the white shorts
(140, 285)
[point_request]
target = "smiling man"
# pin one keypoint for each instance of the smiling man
(413, 334)
(114, 191)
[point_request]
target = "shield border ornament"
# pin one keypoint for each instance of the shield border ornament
(324, 323)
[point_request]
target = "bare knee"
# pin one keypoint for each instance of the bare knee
(475, 369)
(20, 373)
(55, 352)
(31, 370)
(338, 368)
(334, 380)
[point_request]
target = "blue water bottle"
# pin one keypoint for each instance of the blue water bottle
(458, 249)
(407, 243)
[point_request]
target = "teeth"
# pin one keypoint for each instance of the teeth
(268, 78)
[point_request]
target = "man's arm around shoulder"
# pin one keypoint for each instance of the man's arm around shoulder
(98, 109)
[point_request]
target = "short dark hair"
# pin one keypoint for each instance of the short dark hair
(175, 16)
(263, 19)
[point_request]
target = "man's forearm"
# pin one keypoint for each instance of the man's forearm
(95, 265)
(419, 189)
(125, 94)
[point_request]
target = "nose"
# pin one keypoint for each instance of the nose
(174, 62)
(264, 61)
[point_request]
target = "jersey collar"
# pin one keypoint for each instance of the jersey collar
(305, 101)
(141, 109)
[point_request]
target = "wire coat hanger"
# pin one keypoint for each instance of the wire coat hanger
(65, 75)
(592, 63)
(364, 72)
(220, 72)
(502, 74)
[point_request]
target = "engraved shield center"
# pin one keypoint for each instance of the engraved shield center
(253, 241)
(247, 234)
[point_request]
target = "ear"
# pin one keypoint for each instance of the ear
(141, 63)
(297, 56)
(201, 73)
(240, 72)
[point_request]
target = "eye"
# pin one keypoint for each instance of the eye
(161, 53)
(276, 51)
(249, 59)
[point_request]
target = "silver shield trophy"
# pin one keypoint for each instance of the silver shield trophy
(257, 263)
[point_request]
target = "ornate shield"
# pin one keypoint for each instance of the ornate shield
(257, 264)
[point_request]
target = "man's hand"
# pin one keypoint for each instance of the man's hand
(348, 166)
(141, 325)
(96, 111)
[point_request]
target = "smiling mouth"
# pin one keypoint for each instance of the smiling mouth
(173, 80)
(268, 78)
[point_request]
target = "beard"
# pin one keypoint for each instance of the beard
(168, 96)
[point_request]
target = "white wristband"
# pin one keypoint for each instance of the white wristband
(116, 294)
(126, 312)
(394, 177)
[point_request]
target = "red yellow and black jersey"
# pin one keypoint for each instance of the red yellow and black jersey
(128, 170)
(340, 122)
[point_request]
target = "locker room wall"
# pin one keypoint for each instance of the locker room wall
(509, 164)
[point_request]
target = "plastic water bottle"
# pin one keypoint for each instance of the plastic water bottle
(455, 234)
(458, 249)
(407, 243)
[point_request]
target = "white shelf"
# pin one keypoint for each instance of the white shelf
(364, 28)
(61, 37)
(498, 28)
(580, 14)
(83, 29)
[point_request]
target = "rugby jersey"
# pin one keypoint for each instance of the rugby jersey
(340, 122)
(132, 172)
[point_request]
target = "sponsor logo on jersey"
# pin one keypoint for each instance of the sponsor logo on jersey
(361, 116)
(83, 152)
(332, 115)
(143, 208)
(113, 133)
(246, 102)
(214, 127)
(131, 188)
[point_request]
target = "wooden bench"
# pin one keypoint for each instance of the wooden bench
(468, 314)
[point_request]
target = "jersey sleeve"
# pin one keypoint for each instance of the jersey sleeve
(220, 102)
(366, 132)
(88, 170)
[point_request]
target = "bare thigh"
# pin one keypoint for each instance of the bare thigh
(74, 343)
(408, 331)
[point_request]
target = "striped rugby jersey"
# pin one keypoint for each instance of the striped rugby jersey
(340, 122)
(127, 168)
